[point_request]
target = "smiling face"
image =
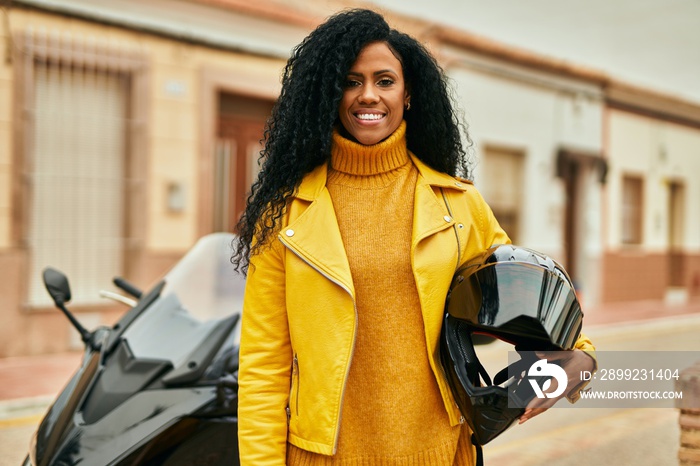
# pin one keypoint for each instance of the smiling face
(374, 96)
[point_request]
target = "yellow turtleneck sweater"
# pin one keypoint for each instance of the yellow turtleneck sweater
(393, 413)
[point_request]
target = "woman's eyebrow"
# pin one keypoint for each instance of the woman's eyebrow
(384, 71)
(357, 73)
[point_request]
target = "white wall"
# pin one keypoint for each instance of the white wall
(535, 114)
(659, 152)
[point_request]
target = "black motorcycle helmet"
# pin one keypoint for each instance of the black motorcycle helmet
(519, 296)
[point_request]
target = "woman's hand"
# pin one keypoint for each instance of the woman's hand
(573, 363)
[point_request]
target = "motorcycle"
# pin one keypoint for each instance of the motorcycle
(159, 387)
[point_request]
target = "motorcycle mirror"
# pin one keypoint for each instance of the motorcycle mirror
(57, 285)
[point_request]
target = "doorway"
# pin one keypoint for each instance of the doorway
(239, 131)
(676, 204)
(582, 172)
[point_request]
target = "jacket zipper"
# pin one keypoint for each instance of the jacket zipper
(354, 338)
(454, 227)
(297, 385)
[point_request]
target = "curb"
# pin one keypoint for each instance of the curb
(25, 407)
(644, 327)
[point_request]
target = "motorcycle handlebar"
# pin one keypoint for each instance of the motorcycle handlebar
(127, 287)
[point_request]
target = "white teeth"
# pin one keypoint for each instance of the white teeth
(370, 116)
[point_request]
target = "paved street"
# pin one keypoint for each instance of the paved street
(559, 437)
(24, 397)
(587, 436)
(14, 439)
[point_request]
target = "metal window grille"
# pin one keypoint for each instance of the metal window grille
(77, 173)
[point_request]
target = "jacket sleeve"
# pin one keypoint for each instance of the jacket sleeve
(493, 233)
(265, 362)
(584, 344)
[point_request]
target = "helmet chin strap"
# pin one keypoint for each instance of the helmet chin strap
(490, 405)
(479, 451)
(524, 391)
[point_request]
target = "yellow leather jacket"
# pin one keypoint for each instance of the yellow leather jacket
(299, 315)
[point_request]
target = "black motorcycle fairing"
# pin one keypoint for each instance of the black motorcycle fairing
(59, 418)
(118, 403)
(66, 439)
(122, 376)
(119, 433)
(191, 441)
(202, 357)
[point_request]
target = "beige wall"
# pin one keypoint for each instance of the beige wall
(180, 88)
(174, 116)
(5, 144)
(178, 129)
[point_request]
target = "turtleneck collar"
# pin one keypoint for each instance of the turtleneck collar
(354, 159)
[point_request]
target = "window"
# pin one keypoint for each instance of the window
(78, 162)
(502, 187)
(631, 210)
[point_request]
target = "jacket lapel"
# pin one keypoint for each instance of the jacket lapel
(430, 214)
(313, 232)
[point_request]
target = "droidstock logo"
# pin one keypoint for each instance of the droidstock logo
(542, 369)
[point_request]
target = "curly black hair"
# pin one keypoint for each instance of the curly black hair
(297, 136)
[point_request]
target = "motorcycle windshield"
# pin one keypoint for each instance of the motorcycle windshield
(199, 291)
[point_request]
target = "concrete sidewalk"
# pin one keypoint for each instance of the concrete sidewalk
(29, 384)
(637, 311)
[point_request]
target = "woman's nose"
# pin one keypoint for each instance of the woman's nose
(368, 95)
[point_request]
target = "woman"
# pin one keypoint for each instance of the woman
(353, 231)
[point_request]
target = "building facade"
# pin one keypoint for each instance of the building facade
(130, 129)
(652, 213)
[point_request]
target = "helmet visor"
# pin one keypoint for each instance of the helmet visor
(528, 305)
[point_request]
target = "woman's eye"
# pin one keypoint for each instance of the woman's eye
(384, 82)
(352, 83)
